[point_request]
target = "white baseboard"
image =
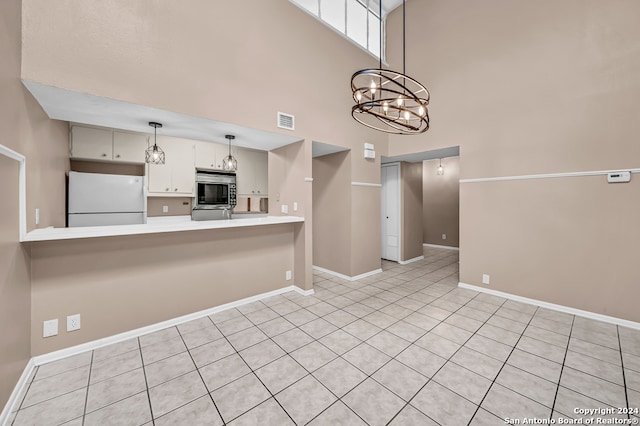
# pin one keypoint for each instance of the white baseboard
(553, 306)
(441, 247)
(95, 344)
(304, 292)
(415, 259)
(13, 402)
(347, 277)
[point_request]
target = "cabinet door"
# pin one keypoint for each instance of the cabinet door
(159, 178)
(245, 176)
(91, 144)
(261, 173)
(206, 155)
(183, 177)
(129, 147)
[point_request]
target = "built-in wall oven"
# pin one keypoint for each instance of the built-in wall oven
(215, 195)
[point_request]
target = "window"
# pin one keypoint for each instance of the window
(355, 19)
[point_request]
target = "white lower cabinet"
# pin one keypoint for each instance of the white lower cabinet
(177, 175)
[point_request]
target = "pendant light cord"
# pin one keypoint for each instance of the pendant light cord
(380, 31)
(404, 37)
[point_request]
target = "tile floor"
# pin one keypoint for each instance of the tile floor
(403, 347)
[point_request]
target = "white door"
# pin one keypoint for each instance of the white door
(390, 209)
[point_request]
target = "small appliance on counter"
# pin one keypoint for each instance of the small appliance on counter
(100, 199)
(215, 195)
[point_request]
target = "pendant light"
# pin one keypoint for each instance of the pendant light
(153, 154)
(229, 163)
(389, 101)
(440, 168)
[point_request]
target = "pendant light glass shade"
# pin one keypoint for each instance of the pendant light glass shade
(440, 168)
(229, 163)
(153, 154)
(390, 101)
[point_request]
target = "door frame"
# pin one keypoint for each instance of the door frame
(399, 211)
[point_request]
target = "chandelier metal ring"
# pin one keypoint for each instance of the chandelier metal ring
(389, 101)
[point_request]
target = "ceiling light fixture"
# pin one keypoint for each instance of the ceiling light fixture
(390, 101)
(153, 154)
(229, 163)
(440, 168)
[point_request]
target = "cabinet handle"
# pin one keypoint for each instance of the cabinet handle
(166, 189)
(176, 189)
(253, 192)
(258, 192)
(212, 165)
(104, 155)
(118, 156)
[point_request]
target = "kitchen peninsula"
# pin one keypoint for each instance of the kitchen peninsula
(129, 277)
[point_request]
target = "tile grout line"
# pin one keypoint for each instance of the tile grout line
(146, 382)
(624, 379)
(566, 352)
(430, 379)
(86, 396)
(199, 374)
(500, 371)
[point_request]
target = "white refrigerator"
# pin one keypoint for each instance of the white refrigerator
(101, 199)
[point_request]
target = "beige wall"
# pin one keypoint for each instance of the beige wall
(411, 200)
(177, 206)
(526, 88)
(331, 204)
(15, 302)
(27, 130)
(118, 284)
(570, 241)
(441, 202)
(288, 168)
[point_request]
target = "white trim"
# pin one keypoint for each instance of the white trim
(547, 176)
(347, 277)
(22, 188)
(440, 247)
(308, 179)
(374, 185)
(13, 402)
(84, 347)
(304, 292)
(553, 306)
(415, 259)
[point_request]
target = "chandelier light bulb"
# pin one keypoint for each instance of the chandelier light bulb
(399, 101)
(385, 106)
(407, 115)
(358, 96)
(421, 111)
(373, 87)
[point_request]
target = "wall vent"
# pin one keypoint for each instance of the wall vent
(286, 121)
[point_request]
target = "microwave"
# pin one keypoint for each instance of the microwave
(215, 195)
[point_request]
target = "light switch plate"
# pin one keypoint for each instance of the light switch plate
(165, 209)
(486, 279)
(73, 322)
(295, 207)
(50, 328)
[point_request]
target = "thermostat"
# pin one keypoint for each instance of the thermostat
(618, 177)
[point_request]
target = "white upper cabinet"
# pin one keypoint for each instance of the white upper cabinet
(91, 144)
(88, 143)
(129, 147)
(209, 155)
(177, 176)
(251, 176)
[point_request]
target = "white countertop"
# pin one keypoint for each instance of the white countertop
(154, 225)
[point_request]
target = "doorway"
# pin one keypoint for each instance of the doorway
(390, 211)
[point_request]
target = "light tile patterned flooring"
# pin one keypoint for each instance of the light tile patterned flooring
(403, 347)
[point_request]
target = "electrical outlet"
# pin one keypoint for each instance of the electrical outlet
(50, 328)
(37, 216)
(486, 279)
(285, 208)
(295, 206)
(73, 322)
(444, 236)
(165, 209)
(287, 275)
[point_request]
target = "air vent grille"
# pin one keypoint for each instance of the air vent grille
(286, 121)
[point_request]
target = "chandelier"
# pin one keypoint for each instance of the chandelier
(229, 163)
(389, 101)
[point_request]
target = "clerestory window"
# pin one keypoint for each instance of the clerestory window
(358, 20)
